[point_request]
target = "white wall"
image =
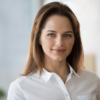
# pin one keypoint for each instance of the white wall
(16, 19)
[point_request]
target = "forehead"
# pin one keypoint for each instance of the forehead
(58, 22)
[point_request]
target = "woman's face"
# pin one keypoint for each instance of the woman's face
(57, 38)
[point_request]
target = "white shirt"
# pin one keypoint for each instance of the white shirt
(50, 86)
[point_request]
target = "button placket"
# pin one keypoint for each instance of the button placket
(63, 87)
(66, 95)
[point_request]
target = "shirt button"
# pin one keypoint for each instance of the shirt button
(66, 94)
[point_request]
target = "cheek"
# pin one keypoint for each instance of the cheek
(70, 44)
(46, 43)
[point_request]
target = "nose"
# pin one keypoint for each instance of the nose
(59, 41)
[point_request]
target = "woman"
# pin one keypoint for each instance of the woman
(54, 70)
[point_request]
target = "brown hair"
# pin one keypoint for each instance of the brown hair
(36, 56)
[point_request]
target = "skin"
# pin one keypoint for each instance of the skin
(57, 40)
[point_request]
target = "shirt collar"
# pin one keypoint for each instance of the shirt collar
(72, 71)
(47, 75)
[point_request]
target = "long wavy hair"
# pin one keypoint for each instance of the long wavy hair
(35, 55)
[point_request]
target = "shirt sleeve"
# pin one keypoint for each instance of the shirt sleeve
(98, 90)
(15, 92)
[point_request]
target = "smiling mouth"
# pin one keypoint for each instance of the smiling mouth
(59, 50)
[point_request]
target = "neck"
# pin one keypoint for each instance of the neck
(59, 67)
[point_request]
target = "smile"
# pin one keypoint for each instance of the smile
(59, 50)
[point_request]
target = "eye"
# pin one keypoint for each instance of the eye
(67, 35)
(51, 35)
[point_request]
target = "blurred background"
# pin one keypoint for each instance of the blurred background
(16, 19)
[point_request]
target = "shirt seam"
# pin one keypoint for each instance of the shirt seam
(21, 90)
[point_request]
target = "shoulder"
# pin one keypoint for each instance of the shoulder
(89, 75)
(16, 91)
(16, 85)
(20, 84)
(88, 72)
(20, 80)
(24, 80)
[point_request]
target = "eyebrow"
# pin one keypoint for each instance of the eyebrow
(51, 31)
(64, 32)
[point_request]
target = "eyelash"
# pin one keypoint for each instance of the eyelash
(51, 34)
(65, 35)
(68, 35)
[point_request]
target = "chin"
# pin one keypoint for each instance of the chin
(59, 59)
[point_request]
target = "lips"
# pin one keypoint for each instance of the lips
(59, 50)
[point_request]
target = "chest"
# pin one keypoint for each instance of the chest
(57, 90)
